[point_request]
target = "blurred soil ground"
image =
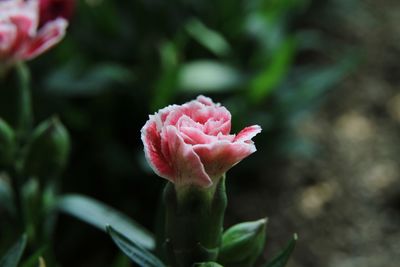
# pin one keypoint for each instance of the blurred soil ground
(344, 203)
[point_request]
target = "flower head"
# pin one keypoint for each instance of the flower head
(20, 36)
(191, 144)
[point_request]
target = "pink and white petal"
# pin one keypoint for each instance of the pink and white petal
(194, 136)
(31, 10)
(8, 34)
(216, 127)
(47, 37)
(163, 113)
(220, 156)
(152, 149)
(247, 133)
(10, 8)
(205, 100)
(186, 163)
(226, 137)
(27, 9)
(174, 116)
(23, 25)
(214, 113)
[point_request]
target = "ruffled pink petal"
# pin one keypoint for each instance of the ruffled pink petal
(174, 117)
(24, 30)
(164, 113)
(195, 136)
(8, 35)
(188, 167)
(220, 156)
(208, 113)
(10, 8)
(216, 127)
(152, 148)
(247, 133)
(47, 37)
(186, 121)
(205, 100)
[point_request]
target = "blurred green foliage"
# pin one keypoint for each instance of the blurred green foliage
(266, 60)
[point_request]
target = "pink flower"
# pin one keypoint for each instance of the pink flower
(20, 38)
(53, 9)
(191, 144)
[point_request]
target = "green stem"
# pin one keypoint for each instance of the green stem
(24, 101)
(194, 221)
(22, 124)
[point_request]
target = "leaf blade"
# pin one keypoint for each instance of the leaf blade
(133, 250)
(14, 254)
(100, 215)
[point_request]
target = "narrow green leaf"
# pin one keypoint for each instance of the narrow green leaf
(133, 250)
(99, 215)
(270, 77)
(73, 79)
(14, 254)
(207, 264)
(166, 84)
(6, 195)
(208, 76)
(307, 85)
(207, 37)
(283, 257)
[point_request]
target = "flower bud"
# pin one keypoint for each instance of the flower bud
(243, 243)
(48, 150)
(7, 143)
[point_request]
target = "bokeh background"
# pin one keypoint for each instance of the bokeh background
(320, 77)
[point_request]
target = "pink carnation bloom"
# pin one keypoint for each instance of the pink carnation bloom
(191, 144)
(20, 38)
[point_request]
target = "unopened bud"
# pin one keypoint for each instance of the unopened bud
(243, 243)
(7, 143)
(48, 150)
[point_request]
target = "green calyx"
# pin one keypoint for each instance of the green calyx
(243, 243)
(48, 150)
(7, 144)
(194, 220)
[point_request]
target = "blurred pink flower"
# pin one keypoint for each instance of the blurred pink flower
(20, 38)
(191, 144)
(53, 9)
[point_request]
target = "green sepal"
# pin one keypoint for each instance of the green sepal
(7, 144)
(33, 213)
(194, 220)
(48, 150)
(283, 257)
(242, 244)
